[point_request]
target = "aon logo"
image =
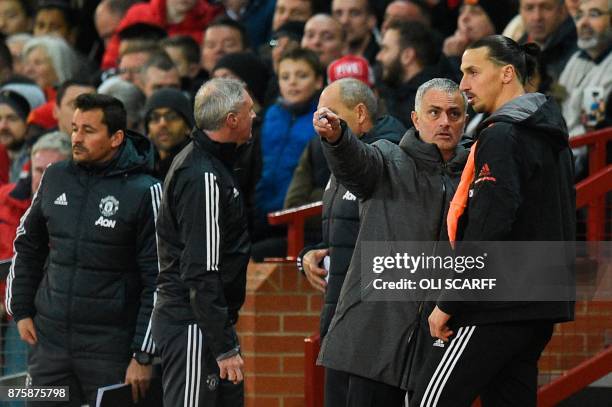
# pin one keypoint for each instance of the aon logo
(107, 223)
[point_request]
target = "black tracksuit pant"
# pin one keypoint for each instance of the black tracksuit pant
(190, 374)
(497, 362)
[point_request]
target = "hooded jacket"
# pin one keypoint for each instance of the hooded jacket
(204, 243)
(340, 218)
(404, 193)
(94, 227)
(524, 191)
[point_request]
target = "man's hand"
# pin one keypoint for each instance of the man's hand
(437, 324)
(139, 377)
(314, 273)
(27, 331)
(327, 124)
(231, 369)
(455, 44)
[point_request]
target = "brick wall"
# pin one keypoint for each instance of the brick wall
(281, 309)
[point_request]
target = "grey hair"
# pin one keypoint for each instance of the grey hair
(441, 84)
(55, 140)
(63, 58)
(129, 94)
(215, 99)
(354, 91)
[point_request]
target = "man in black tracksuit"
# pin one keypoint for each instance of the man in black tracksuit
(203, 252)
(340, 219)
(519, 188)
(82, 281)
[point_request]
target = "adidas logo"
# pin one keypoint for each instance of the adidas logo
(61, 200)
(484, 171)
(349, 197)
(439, 343)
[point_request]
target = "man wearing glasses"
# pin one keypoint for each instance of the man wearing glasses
(168, 122)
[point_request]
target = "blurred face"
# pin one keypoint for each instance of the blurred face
(106, 22)
(354, 17)
(294, 10)
(166, 129)
(51, 22)
(38, 67)
(180, 6)
(389, 58)
(323, 35)
(179, 60)
(441, 120)
(13, 18)
(241, 122)
(12, 128)
(15, 48)
(282, 44)
(572, 6)
(91, 142)
(130, 65)
(482, 80)
(40, 161)
(593, 25)
(474, 23)
(218, 41)
(65, 110)
(331, 99)
(297, 81)
(542, 17)
(156, 78)
(402, 11)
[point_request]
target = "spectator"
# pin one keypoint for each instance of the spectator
(159, 72)
(133, 58)
(6, 62)
(14, 111)
(168, 121)
(291, 10)
(287, 37)
(176, 17)
(204, 252)
(406, 10)
(384, 180)
(185, 53)
(15, 43)
(107, 17)
(85, 337)
(255, 15)
(26, 88)
(548, 24)
(222, 36)
(358, 19)
(407, 59)
(49, 61)
(15, 198)
(15, 17)
(572, 7)
(55, 17)
(326, 37)
(65, 102)
(286, 130)
(130, 95)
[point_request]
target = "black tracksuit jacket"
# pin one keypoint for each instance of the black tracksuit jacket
(203, 244)
(85, 255)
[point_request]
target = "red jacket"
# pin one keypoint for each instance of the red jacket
(154, 13)
(5, 164)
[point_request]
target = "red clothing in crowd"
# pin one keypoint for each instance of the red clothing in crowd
(154, 13)
(5, 164)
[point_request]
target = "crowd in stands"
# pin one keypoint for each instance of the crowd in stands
(154, 56)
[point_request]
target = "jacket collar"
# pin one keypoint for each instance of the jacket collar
(412, 145)
(226, 152)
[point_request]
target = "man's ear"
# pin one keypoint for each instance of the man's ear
(231, 120)
(407, 56)
(415, 119)
(362, 113)
(55, 111)
(117, 138)
(508, 74)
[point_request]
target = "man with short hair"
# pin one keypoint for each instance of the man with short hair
(159, 72)
(107, 17)
(83, 276)
(222, 36)
(14, 111)
(63, 110)
(133, 59)
(548, 24)
(325, 36)
(405, 10)
(55, 17)
(403, 194)
(407, 57)
(185, 53)
(203, 253)
(291, 10)
(358, 20)
(168, 122)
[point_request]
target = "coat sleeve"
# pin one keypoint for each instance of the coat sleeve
(31, 251)
(148, 267)
(198, 212)
(356, 165)
(302, 183)
(497, 194)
